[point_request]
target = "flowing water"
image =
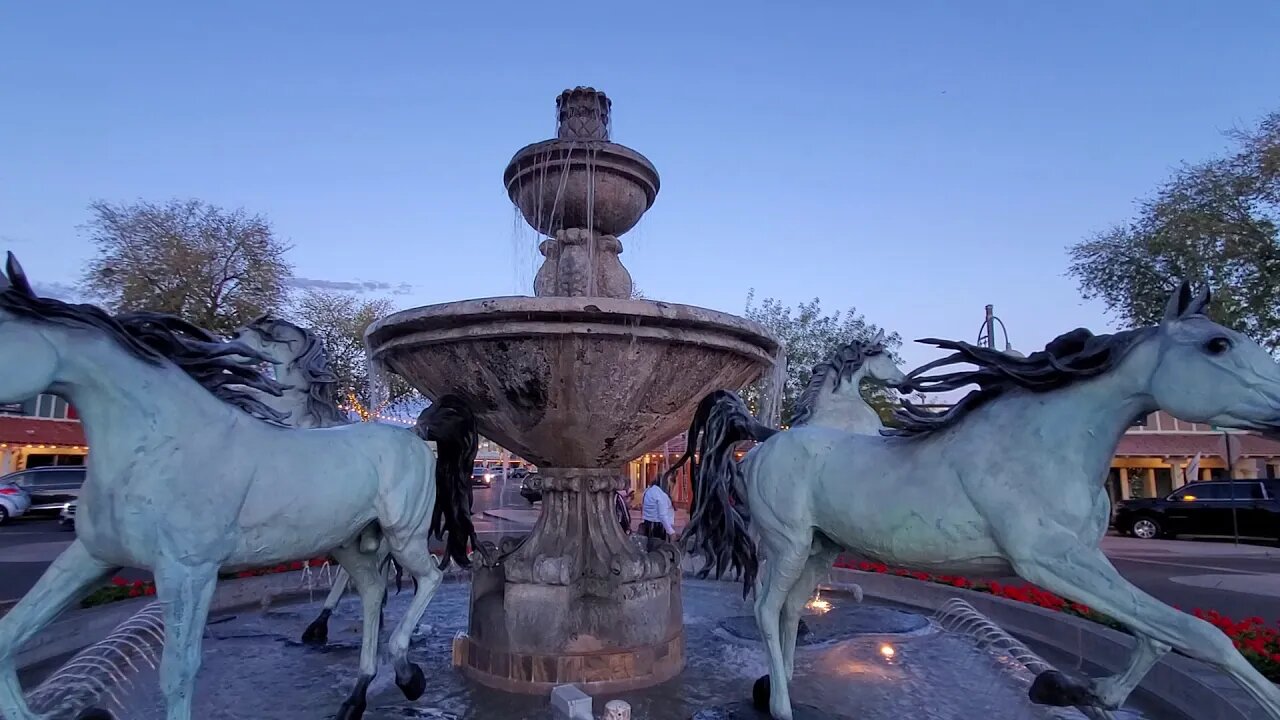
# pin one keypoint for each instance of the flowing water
(254, 667)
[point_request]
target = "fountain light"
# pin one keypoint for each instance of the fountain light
(887, 651)
(819, 605)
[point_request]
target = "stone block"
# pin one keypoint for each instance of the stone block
(570, 703)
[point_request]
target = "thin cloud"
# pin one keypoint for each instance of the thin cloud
(352, 286)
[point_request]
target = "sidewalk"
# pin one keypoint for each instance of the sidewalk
(1171, 549)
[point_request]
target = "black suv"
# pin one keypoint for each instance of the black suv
(1205, 508)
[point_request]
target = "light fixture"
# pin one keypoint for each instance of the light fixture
(887, 651)
(818, 604)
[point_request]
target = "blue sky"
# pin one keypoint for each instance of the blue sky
(916, 164)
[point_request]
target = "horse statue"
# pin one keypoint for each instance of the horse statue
(1010, 478)
(832, 398)
(162, 402)
(308, 400)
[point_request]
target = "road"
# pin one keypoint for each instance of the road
(1239, 583)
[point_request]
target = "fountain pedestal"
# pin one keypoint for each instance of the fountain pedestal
(577, 602)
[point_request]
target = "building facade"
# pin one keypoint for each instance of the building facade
(40, 432)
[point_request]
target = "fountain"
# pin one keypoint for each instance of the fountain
(578, 379)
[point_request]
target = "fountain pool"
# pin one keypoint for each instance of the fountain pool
(255, 668)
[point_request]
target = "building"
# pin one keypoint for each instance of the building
(40, 432)
(1155, 455)
(1152, 459)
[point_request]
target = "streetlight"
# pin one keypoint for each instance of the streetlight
(987, 333)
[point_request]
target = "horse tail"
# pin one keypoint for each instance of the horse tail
(696, 426)
(452, 425)
(718, 526)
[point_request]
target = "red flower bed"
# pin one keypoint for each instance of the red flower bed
(1257, 641)
(121, 589)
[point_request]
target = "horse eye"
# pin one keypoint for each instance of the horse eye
(1217, 346)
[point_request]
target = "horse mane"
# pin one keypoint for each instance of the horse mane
(1067, 359)
(218, 366)
(313, 363)
(844, 362)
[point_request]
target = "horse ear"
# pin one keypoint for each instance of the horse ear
(1178, 302)
(1199, 303)
(879, 338)
(18, 278)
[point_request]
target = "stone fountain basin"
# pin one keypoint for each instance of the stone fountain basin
(579, 184)
(573, 382)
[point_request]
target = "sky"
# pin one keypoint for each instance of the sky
(915, 162)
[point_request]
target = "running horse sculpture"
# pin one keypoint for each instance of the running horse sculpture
(161, 401)
(1011, 478)
(832, 398)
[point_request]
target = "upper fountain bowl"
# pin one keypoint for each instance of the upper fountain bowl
(580, 179)
(591, 184)
(570, 381)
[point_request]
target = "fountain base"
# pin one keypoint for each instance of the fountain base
(530, 637)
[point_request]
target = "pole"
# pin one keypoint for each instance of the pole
(990, 324)
(1231, 484)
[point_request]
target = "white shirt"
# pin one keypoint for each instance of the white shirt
(657, 508)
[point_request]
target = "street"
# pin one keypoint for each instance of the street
(1239, 581)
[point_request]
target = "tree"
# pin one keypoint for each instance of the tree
(1215, 223)
(213, 267)
(340, 319)
(809, 337)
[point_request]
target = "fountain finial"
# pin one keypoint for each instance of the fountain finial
(582, 114)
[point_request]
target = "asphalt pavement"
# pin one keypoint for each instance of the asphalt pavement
(1240, 582)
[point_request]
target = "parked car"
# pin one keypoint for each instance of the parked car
(50, 488)
(1213, 508)
(14, 501)
(527, 490)
(67, 518)
(481, 476)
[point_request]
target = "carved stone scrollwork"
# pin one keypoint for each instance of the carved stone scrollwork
(577, 538)
(580, 263)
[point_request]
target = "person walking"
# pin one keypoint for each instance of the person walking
(658, 515)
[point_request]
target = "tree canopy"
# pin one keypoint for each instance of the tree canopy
(214, 267)
(810, 335)
(340, 319)
(1214, 222)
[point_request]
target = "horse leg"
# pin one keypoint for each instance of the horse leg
(184, 592)
(1062, 565)
(363, 570)
(317, 633)
(819, 563)
(67, 579)
(782, 570)
(410, 549)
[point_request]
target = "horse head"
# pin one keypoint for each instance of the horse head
(280, 340)
(1207, 373)
(28, 360)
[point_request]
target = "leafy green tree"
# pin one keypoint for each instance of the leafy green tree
(1213, 222)
(214, 267)
(340, 319)
(810, 335)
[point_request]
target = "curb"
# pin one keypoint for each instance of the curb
(1185, 685)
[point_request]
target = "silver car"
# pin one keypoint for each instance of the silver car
(14, 502)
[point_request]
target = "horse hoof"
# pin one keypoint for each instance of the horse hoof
(760, 694)
(95, 713)
(414, 685)
(316, 634)
(350, 710)
(1056, 689)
